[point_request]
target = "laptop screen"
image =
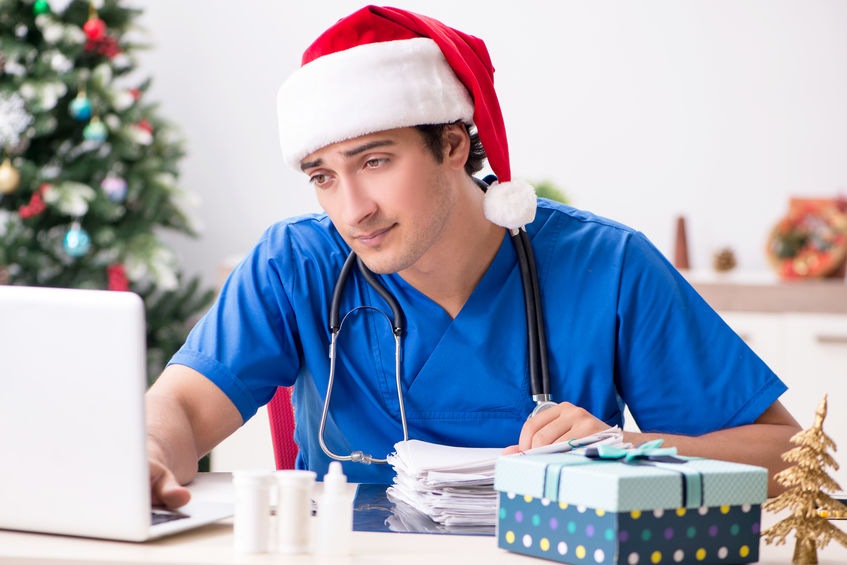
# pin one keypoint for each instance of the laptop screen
(73, 371)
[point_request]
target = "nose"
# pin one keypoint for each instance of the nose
(357, 205)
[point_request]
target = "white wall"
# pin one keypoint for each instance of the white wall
(718, 110)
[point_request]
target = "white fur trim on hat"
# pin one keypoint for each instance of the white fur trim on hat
(510, 204)
(365, 89)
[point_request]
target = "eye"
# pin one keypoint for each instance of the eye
(319, 179)
(376, 162)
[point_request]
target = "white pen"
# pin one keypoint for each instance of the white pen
(612, 435)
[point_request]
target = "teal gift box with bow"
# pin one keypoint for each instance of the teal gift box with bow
(640, 506)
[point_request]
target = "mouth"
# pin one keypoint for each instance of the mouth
(373, 238)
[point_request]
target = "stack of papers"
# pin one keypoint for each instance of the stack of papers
(454, 486)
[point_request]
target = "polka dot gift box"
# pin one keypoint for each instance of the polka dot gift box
(629, 507)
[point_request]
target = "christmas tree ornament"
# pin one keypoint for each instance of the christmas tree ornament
(80, 107)
(40, 7)
(95, 130)
(807, 484)
(10, 178)
(14, 119)
(77, 241)
(94, 28)
(116, 275)
(114, 187)
(36, 203)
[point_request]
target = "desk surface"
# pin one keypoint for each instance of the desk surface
(213, 544)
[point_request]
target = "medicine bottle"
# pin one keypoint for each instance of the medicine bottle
(294, 510)
(251, 523)
(335, 514)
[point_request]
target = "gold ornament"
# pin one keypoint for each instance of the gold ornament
(806, 498)
(10, 178)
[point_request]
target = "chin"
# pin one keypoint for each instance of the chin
(381, 264)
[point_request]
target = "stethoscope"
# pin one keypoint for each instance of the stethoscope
(539, 374)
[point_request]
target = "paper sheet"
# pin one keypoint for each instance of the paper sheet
(454, 486)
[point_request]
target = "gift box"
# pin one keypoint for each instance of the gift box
(634, 507)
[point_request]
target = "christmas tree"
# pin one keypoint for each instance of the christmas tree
(807, 481)
(88, 171)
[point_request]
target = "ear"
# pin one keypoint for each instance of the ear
(457, 145)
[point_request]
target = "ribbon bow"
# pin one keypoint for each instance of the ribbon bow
(649, 450)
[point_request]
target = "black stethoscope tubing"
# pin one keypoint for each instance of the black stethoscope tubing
(539, 372)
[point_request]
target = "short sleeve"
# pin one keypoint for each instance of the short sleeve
(247, 343)
(680, 367)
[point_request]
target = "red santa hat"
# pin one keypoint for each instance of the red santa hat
(383, 68)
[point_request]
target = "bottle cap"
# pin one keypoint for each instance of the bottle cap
(335, 479)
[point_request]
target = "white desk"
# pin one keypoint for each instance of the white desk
(213, 544)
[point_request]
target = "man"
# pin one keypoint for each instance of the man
(383, 118)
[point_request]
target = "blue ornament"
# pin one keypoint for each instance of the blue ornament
(80, 108)
(95, 131)
(114, 187)
(76, 242)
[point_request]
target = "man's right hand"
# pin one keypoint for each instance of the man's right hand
(165, 489)
(187, 415)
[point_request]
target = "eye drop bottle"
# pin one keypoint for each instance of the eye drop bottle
(335, 514)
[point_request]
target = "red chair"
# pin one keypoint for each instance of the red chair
(281, 418)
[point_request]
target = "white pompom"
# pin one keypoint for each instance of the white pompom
(510, 204)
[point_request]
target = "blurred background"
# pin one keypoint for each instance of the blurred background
(719, 111)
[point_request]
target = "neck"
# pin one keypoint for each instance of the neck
(453, 267)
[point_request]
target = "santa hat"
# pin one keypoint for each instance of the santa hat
(383, 68)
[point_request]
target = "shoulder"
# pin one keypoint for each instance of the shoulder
(559, 225)
(298, 249)
(557, 217)
(307, 231)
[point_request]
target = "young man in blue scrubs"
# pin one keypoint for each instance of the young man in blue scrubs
(383, 118)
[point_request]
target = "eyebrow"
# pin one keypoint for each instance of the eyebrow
(350, 153)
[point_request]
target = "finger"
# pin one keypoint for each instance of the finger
(165, 489)
(560, 429)
(511, 450)
(532, 426)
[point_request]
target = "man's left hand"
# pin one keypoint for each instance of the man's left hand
(556, 424)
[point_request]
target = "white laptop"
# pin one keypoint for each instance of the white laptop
(72, 432)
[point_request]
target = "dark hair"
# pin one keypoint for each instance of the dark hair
(433, 135)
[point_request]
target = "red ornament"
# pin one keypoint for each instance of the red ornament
(36, 203)
(94, 28)
(116, 273)
(136, 93)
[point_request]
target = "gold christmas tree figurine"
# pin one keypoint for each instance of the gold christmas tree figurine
(806, 482)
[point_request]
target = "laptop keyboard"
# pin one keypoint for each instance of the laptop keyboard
(157, 517)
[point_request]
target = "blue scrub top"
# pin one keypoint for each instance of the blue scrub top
(622, 326)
